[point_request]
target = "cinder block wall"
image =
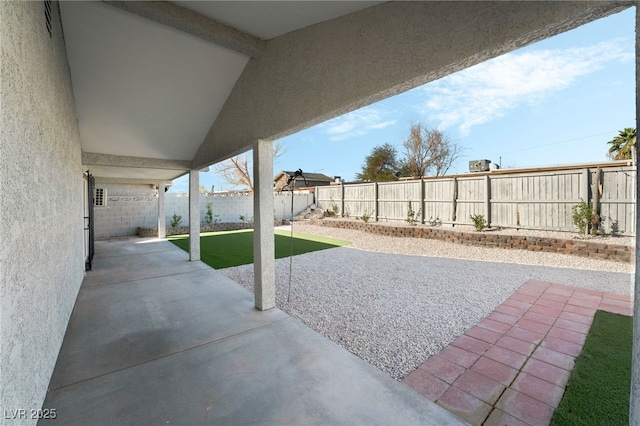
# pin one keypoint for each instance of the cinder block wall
(42, 257)
(132, 206)
(128, 207)
(229, 207)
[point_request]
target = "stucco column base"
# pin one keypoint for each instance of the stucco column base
(194, 215)
(264, 265)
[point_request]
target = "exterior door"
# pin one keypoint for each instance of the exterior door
(89, 186)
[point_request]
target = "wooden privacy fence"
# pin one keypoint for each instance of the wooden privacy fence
(511, 198)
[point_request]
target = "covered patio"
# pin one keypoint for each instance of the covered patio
(157, 339)
(144, 92)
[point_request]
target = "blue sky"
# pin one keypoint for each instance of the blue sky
(557, 101)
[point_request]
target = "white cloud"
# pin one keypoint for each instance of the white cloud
(383, 124)
(486, 91)
(356, 123)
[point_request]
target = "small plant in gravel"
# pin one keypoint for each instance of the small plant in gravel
(333, 211)
(479, 221)
(583, 216)
(175, 221)
(435, 222)
(412, 215)
(615, 228)
(366, 216)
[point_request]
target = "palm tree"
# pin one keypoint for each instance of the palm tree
(623, 146)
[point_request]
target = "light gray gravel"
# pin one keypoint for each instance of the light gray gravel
(396, 310)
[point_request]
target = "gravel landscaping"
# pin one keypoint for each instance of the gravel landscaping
(394, 302)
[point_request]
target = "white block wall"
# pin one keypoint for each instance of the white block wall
(229, 207)
(132, 206)
(128, 207)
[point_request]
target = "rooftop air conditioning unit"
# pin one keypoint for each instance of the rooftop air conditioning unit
(479, 165)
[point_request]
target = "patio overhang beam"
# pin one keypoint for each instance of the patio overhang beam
(132, 181)
(195, 24)
(96, 159)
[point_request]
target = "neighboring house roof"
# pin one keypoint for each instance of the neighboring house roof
(281, 180)
(310, 176)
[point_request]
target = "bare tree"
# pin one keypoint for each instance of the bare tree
(238, 170)
(428, 150)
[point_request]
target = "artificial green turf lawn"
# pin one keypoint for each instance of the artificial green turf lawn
(232, 248)
(598, 389)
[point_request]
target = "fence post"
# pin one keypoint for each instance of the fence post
(584, 186)
(421, 200)
(341, 199)
(595, 192)
(454, 207)
(487, 198)
(375, 201)
(316, 195)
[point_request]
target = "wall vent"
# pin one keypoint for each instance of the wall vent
(100, 197)
(47, 15)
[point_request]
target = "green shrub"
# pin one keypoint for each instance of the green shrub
(366, 216)
(583, 216)
(209, 215)
(175, 222)
(333, 211)
(412, 215)
(479, 221)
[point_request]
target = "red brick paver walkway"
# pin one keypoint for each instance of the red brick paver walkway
(513, 366)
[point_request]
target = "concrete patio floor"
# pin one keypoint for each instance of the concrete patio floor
(156, 339)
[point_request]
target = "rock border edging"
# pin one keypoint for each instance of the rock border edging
(614, 252)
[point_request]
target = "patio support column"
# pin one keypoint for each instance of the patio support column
(162, 222)
(264, 266)
(634, 406)
(194, 215)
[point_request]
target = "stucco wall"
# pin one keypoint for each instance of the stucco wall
(42, 255)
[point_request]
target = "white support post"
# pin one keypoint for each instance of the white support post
(634, 406)
(162, 222)
(194, 215)
(264, 265)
